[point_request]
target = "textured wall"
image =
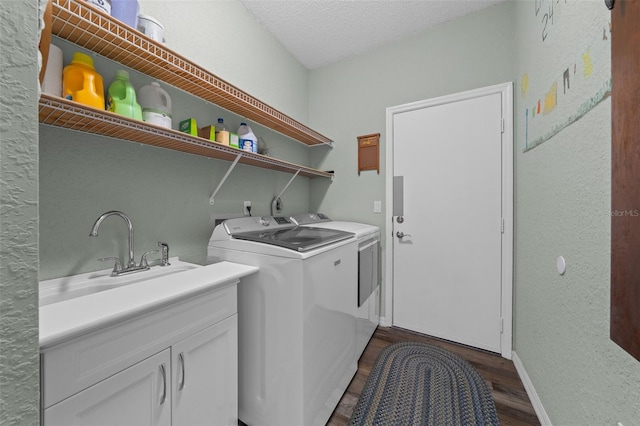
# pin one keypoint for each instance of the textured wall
(165, 193)
(563, 200)
(19, 355)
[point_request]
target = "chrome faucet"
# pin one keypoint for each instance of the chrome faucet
(94, 232)
(131, 263)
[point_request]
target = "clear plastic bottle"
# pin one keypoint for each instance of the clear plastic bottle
(156, 104)
(122, 97)
(247, 140)
(82, 83)
(222, 133)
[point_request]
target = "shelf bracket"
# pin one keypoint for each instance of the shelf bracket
(224, 178)
(276, 199)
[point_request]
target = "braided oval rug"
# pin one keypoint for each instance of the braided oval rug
(419, 384)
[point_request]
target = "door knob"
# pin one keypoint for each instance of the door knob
(401, 234)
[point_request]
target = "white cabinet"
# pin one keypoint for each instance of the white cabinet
(136, 396)
(204, 376)
(174, 365)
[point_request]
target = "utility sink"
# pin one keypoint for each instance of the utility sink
(61, 289)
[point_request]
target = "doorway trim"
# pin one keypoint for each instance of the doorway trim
(506, 92)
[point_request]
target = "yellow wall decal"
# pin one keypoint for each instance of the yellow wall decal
(551, 98)
(524, 86)
(588, 63)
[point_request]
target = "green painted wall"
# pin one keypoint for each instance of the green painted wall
(166, 195)
(563, 196)
(19, 354)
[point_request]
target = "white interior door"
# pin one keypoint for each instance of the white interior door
(447, 270)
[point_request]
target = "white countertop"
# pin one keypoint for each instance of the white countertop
(70, 318)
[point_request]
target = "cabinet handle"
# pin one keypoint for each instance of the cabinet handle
(181, 359)
(164, 384)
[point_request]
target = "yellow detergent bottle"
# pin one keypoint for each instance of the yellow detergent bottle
(122, 97)
(81, 82)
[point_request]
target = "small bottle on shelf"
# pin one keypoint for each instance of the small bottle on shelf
(222, 133)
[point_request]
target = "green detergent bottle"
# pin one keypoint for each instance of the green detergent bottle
(122, 97)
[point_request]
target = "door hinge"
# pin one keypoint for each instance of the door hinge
(502, 125)
(501, 325)
(502, 225)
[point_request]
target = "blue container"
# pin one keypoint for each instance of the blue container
(248, 140)
(246, 145)
(126, 11)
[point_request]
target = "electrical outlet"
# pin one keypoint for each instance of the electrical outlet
(247, 208)
(377, 206)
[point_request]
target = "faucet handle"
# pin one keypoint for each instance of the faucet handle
(143, 259)
(165, 253)
(116, 267)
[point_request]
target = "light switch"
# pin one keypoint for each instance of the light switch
(377, 206)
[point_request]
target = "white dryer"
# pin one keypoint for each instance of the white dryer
(296, 317)
(369, 270)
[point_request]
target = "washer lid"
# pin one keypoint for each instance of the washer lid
(310, 218)
(300, 239)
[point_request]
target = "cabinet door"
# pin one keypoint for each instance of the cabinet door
(205, 376)
(139, 395)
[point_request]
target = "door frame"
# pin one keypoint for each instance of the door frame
(506, 92)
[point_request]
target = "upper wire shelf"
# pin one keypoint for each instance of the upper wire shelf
(78, 22)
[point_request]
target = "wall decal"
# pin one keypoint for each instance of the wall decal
(524, 85)
(582, 110)
(588, 64)
(559, 54)
(551, 98)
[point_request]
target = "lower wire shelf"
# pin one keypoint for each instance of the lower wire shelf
(60, 112)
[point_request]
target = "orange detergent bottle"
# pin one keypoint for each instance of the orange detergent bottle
(81, 83)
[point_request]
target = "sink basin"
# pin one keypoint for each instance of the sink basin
(61, 289)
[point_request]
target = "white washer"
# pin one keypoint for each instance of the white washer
(369, 270)
(296, 318)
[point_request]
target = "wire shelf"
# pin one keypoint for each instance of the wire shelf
(64, 113)
(80, 23)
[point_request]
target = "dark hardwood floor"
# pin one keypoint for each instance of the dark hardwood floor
(512, 402)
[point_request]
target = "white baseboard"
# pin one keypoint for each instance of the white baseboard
(384, 322)
(531, 391)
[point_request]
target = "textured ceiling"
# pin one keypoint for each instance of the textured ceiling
(320, 32)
